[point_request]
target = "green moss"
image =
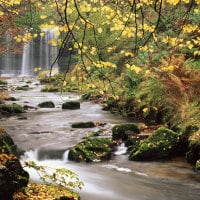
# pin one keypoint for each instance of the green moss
(193, 153)
(162, 143)
(92, 150)
(12, 108)
(197, 165)
(2, 82)
(83, 125)
(46, 104)
(122, 131)
(50, 88)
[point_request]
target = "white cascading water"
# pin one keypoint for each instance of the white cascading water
(39, 54)
(26, 59)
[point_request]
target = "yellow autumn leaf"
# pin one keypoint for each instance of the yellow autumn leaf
(99, 30)
(43, 16)
(145, 110)
(73, 78)
(42, 34)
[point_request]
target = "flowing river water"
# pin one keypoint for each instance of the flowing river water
(46, 135)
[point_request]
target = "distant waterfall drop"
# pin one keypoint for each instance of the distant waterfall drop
(39, 53)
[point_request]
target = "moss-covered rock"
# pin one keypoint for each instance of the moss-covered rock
(46, 104)
(11, 109)
(161, 144)
(12, 176)
(71, 105)
(83, 124)
(23, 88)
(3, 82)
(197, 167)
(92, 150)
(123, 131)
(193, 153)
(50, 88)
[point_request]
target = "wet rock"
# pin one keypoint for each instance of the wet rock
(67, 198)
(134, 140)
(6, 143)
(83, 125)
(197, 167)
(71, 105)
(92, 150)
(24, 88)
(124, 131)
(12, 176)
(11, 109)
(46, 104)
(162, 143)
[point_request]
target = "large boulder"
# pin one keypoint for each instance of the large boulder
(12, 176)
(161, 144)
(11, 109)
(124, 131)
(92, 150)
(6, 143)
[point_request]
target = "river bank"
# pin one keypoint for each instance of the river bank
(46, 130)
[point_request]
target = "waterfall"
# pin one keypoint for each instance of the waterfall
(48, 51)
(26, 60)
(121, 149)
(39, 53)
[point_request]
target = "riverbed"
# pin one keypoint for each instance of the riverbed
(45, 134)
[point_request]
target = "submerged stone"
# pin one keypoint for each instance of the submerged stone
(83, 125)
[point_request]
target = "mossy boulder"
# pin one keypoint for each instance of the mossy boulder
(193, 153)
(6, 143)
(92, 150)
(3, 82)
(71, 105)
(83, 124)
(11, 109)
(50, 88)
(197, 167)
(163, 143)
(46, 104)
(12, 176)
(124, 131)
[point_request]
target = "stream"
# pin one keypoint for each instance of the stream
(45, 134)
